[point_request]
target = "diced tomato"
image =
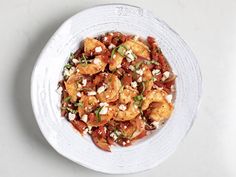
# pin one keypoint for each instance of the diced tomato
(98, 79)
(91, 117)
(150, 40)
(110, 140)
(127, 79)
(125, 65)
(108, 38)
(101, 131)
(141, 135)
(123, 142)
(79, 125)
(163, 63)
(100, 142)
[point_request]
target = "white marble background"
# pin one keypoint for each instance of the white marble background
(208, 26)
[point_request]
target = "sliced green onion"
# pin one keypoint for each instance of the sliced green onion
(97, 111)
(121, 50)
(67, 99)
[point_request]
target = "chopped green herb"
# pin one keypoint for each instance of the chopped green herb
(67, 99)
(137, 66)
(79, 104)
(143, 86)
(138, 98)
(121, 50)
(97, 111)
(84, 60)
(72, 56)
(68, 66)
(70, 110)
(113, 52)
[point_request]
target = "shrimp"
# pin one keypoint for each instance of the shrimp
(130, 113)
(94, 122)
(138, 48)
(88, 104)
(111, 94)
(115, 61)
(162, 112)
(72, 87)
(153, 96)
(90, 44)
(96, 66)
(127, 95)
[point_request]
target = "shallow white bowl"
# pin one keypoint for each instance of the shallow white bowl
(146, 153)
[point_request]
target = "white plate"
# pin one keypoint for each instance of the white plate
(153, 149)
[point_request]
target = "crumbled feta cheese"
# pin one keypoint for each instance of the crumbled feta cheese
(118, 66)
(114, 136)
(97, 61)
(84, 118)
(84, 82)
(114, 56)
(111, 34)
(140, 79)
(111, 46)
(104, 110)
(75, 61)
(69, 72)
(125, 127)
(129, 56)
(122, 107)
(169, 98)
(123, 143)
(128, 141)
(166, 75)
(90, 129)
(71, 116)
(134, 84)
(156, 124)
(136, 38)
(91, 93)
(131, 67)
(103, 104)
(101, 89)
(78, 70)
(107, 96)
(156, 72)
(105, 38)
(139, 71)
(78, 94)
(98, 49)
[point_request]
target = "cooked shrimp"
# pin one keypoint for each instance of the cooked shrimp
(153, 96)
(127, 94)
(103, 118)
(96, 66)
(130, 113)
(90, 44)
(138, 48)
(72, 87)
(115, 61)
(162, 112)
(111, 94)
(88, 104)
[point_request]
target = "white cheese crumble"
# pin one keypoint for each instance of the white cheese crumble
(114, 56)
(136, 38)
(101, 89)
(78, 94)
(118, 66)
(156, 124)
(111, 46)
(165, 76)
(84, 82)
(169, 98)
(103, 104)
(98, 49)
(122, 107)
(90, 129)
(84, 118)
(75, 61)
(97, 61)
(131, 67)
(129, 56)
(139, 71)
(156, 72)
(91, 93)
(69, 72)
(123, 143)
(114, 136)
(105, 38)
(71, 116)
(140, 79)
(134, 84)
(104, 110)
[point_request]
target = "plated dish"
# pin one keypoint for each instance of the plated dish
(152, 149)
(117, 88)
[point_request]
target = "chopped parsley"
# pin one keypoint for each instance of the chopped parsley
(97, 113)
(67, 99)
(79, 104)
(70, 110)
(68, 66)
